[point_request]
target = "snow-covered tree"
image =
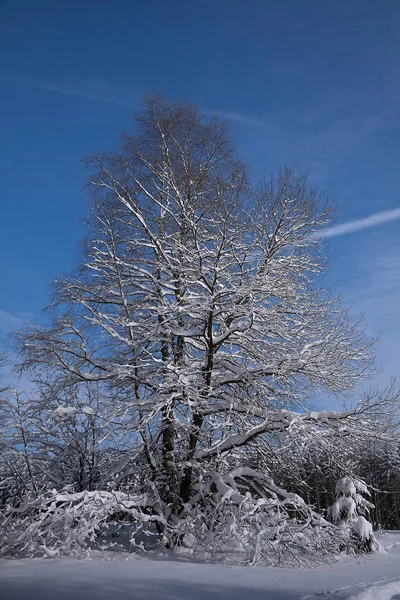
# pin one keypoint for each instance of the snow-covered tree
(198, 308)
(351, 509)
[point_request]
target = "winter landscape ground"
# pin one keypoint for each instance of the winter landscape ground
(368, 577)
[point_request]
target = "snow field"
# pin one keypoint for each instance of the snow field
(138, 577)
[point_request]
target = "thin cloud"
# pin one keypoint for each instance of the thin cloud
(370, 283)
(237, 117)
(118, 95)
(11, 321)
(385, 216)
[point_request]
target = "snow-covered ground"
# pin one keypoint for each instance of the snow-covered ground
(374, 577)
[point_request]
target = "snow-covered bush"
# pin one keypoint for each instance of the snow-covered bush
(270, 526)
(226, 525)
(56, 524)
(349, 509)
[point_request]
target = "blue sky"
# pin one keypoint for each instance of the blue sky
(306, 82)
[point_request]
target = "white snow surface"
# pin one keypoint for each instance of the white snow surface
(139, 577)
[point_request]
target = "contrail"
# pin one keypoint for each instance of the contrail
(119, 95)
(385, 216)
